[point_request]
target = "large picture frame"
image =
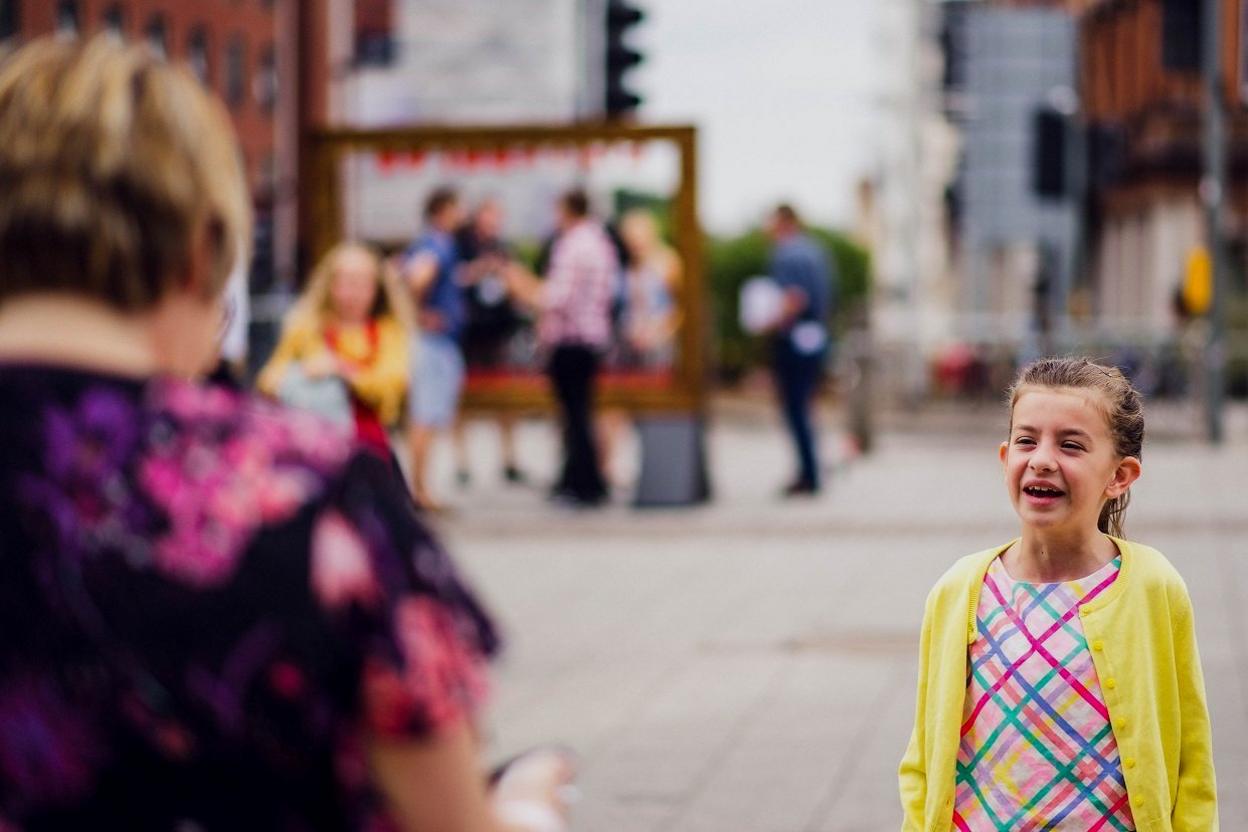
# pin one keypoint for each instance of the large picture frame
(683, 390)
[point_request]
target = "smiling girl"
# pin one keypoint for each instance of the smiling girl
(1059, 682)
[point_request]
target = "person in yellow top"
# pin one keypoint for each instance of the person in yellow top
(344, 345)
(1059, 682)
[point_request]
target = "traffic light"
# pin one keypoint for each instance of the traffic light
(620, 58)
(1049, 162)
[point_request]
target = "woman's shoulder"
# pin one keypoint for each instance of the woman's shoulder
(389, 327)
(226, 416)
(224, 461)
(668, 263)
(185, 474)
(299, 325)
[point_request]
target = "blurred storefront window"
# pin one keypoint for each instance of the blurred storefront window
(157, 34)
(114, 21)
(197, 55)
(235, 71)
(10, 18)
(67, 17)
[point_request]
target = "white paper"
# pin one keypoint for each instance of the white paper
(761, 304)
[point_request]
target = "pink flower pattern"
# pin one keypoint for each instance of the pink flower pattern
(342, 571)
(224, 581)
(216, 492)
(440, 682)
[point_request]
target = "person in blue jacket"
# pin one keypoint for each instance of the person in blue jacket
(799, 336)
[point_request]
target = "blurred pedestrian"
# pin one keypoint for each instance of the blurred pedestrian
(799, 337)
(348, 334)
(1059, 680)
(574, 327)
(649, 318)
(492, 321)
(216, 614)
(430, 268)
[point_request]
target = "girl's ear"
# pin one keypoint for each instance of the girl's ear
(1002, 451)
(1127, 472)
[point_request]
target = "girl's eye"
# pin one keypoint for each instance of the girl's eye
(1072, 446)
(1024, 440)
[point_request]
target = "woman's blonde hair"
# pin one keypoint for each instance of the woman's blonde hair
(639, 226)
(113, 163)
(1124, 413)
(313, 307)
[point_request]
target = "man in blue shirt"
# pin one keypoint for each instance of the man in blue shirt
(799, 337)
(429, 270)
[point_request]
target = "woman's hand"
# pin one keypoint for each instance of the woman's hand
(430, 321)
(534, 791)
(321, 365)
(645, 337)
(523, 286)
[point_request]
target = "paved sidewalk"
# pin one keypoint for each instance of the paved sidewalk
(749, 665)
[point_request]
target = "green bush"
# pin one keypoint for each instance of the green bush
(732, 261)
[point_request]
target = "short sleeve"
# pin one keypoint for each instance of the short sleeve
(413, 639)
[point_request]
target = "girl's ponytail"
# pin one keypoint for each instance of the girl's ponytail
(1112, 515)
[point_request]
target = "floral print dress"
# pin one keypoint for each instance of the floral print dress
(205, 603)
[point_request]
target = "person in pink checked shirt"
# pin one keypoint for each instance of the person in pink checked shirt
(574, 329)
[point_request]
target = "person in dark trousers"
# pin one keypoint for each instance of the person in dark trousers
(574, 328)
(491, 323)
(799, 337)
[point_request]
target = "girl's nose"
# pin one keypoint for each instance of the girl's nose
(1042, 460)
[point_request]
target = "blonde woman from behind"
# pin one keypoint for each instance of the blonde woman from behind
(217, 614)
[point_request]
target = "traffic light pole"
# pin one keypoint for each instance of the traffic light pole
(1213, 195)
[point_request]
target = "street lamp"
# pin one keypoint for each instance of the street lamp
(1213, 196)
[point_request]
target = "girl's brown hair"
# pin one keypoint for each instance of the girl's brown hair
(1124, 413)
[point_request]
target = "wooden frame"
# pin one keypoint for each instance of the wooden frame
(326, 149)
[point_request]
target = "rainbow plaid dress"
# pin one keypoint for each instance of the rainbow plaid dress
(1037, 749)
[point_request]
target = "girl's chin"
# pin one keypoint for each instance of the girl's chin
(1053, 522)
(1043, 515)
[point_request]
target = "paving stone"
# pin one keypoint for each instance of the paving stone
(749, 666)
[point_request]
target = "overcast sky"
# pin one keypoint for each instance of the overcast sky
(782, 92)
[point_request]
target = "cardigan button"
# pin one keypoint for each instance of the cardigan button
(1098, 645)
(1121, 724)
(1111, 683)
(1129, 762)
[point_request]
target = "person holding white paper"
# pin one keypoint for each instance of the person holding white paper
(799, 336)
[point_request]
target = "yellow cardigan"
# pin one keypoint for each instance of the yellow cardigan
(1143, 644)
(380, 386)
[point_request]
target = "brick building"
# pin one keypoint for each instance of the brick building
(1142, 99)
(246, 52)
(1004, 62)
(230, 44)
